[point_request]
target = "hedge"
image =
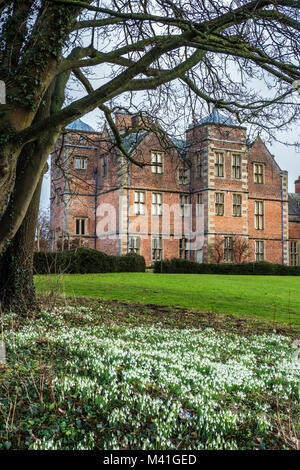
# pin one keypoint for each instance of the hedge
(84, 261)
(177, 265)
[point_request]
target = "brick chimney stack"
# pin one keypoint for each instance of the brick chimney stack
(142, 120)
(297, 186)
(123, 121)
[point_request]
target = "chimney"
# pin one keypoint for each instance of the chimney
(297, 186)
(123, 121)
(142, 120)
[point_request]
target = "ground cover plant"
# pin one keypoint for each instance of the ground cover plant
(107, 375)
(269, 297)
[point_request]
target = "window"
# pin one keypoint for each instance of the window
(258, 173)
(156, 204)
(199, 202)
(184, 248)
(259, 250)
(236, 166)
(228, 249)
(80, 226)
(219, 164)
(183, 175)
(104, 167)
(259, 215)
(184, 205)
(200, 256)
(219, 203)
(139, 203)
(134, 245)
(80, 163)
(156, 249)
(82, 140)
(236, 205)
(199, 165)
(294, 259)
(157, 162)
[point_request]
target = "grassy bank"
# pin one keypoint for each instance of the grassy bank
(269, 297)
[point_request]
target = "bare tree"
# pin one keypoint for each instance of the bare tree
(43, 230)
(216, 250)
(166, 53)
(240, 249)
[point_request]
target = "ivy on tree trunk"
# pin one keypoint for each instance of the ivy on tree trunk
(17, 291)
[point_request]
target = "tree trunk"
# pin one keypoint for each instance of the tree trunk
(17, 292)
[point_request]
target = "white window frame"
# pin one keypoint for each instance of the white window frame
(183, 175)
(237, 205)
(157, 203)
(184, 200)
(259, 173)
(134, 244)
(82, 226)
(228, 249)
(259, 215)
(219, 203)
(259, 250)
(82, 163)
(157, 161)
(139, 202)
(184, 251)
(199, 165)
(156, 248)
(294, 253)
(200, 256)
(236, 168)
(199, 203)
(219, 165)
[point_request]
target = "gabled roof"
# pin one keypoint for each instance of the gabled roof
(179, 144)
(216, 118)
(132, 140)
(294, 204)
(80, 125)
(258, 141)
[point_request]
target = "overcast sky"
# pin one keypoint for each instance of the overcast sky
(287, 157)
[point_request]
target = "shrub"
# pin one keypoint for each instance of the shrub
(84, 261)
(87, 260)
(130, 263)
(176, 265)
(51, 262)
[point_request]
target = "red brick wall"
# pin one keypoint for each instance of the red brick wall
(270, 193)
(73, 188)
(116, 191)
(294, 230)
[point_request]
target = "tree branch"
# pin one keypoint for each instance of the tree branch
(109, 119)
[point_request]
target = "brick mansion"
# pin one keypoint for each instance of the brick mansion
(213, 197)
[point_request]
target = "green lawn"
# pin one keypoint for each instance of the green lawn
(270, 297)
